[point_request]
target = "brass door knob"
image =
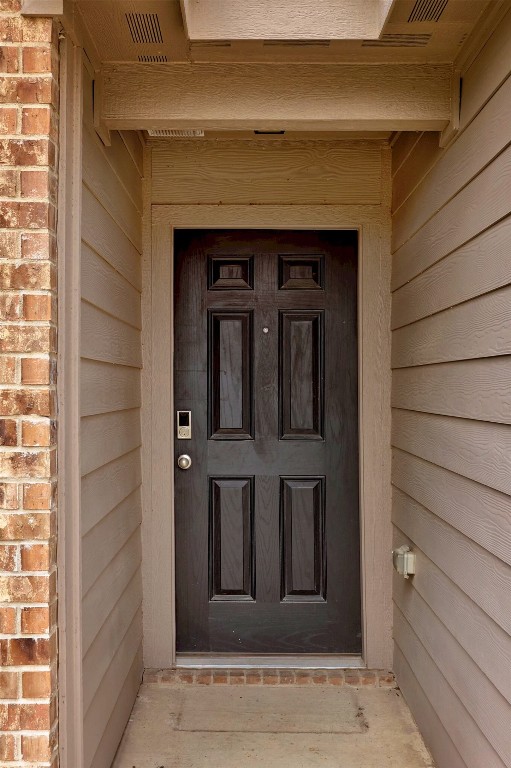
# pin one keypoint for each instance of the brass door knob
(184, 461)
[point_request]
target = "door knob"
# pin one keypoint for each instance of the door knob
(184, 461)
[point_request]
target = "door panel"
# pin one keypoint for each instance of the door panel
(232, 539)
(267, 530)
(303, 538)
(301, 381)
(230, 395)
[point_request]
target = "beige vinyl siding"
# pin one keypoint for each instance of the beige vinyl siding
(451, 360)
(110, 437)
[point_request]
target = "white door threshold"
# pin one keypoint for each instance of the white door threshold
(267, 661)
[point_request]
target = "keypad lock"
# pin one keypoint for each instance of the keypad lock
(184, 425)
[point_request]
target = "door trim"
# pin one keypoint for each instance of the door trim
(70, 683)
(158, 536)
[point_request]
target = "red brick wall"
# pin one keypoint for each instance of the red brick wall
(28, 184)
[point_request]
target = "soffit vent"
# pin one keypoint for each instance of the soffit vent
(196, 133)
(144, 27)
(427, 10)
(398, 41)
(298, 43)
(210, 44)
(158, 58)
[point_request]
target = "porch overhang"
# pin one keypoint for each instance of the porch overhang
(277, 96)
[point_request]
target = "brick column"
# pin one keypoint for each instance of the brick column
(28, 183)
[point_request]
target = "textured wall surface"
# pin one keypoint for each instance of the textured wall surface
(451, 473)
(110, 434)
(28, 139)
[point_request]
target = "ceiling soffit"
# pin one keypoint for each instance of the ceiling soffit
(154, 31)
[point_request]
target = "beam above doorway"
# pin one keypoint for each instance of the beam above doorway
(318, 97)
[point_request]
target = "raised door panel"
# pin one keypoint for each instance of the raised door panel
(227, 273)
(301, 380)
(303, 539)
(230, 375)
(301, 272)
(231, 541)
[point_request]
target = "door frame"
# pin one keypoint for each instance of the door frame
(158, 534)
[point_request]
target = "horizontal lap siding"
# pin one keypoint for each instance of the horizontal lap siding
(270, 173)
(110, 436)
(451, 397)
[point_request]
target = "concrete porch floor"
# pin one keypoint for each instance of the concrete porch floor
(224, 726)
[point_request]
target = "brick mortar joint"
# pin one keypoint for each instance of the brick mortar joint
(24, 43)
(29, 199)
(28, 76)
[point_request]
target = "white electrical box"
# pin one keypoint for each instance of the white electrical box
(404, 561)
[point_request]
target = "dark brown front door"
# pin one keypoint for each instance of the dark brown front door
(267, 519)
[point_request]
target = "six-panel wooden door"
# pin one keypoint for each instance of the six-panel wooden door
(267, 516)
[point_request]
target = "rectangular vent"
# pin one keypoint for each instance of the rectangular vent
(195, 133)
(144, 27)
(427, 10)
(156, 59)
(210, 44)
(398, 41)
(298, 43)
